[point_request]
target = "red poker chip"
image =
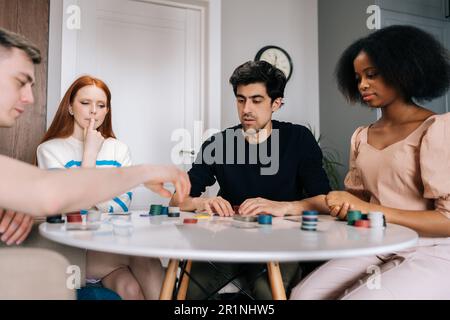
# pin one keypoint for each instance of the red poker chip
(190, 221)
(362, 224)
(74, 217)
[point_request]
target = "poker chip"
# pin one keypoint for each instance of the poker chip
(155, 210)
(377, 219)
(310, 223)
(362, 224)
(353, 216)
(377, 224)
(173, 215)
(265, 219)
(174, 210)
(375, 215)
(309, 220)
(164, 211)
(202, 216)
(190, 221)
(308, 229)
(74, 217)
(310, 213)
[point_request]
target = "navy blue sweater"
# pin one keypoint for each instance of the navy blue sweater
(292, 173)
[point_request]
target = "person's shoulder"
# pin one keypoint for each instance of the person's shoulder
(233, 128)
(293, 127)
(357, 133)
(52, 144)
(439, 120)
(113, 146)
(116, 143)
(437, 129)
(222, 134)
(293, 130)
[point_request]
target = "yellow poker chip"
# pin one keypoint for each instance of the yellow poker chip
(202, 216)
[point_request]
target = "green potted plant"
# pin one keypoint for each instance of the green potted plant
(331, 162)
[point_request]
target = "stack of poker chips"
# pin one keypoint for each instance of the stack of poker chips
(74, 217)
(174, 212)
(309, 220)
(164, 211)
(353, 216)
(377, 219)
(155, 210)
(265, 219)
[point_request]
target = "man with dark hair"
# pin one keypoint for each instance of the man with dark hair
(262, 165)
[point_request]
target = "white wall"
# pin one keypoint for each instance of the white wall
(247, 26)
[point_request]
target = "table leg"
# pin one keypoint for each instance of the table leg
(184, 282)
(169, 281)
(276, 281)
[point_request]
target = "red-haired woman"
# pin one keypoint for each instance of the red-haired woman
(81, 135)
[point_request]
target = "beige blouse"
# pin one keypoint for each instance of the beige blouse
(412, 174)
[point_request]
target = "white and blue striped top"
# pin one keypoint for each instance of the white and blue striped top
(68, 153)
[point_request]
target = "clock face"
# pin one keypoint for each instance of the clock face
(277, 57)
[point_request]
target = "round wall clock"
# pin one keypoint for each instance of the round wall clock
(277, 57)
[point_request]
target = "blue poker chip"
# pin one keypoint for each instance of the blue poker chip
(309, 219)
(265, 219)
(164, 211)
(308, 229)
(309, 224)
(155, 210)
(310, 213)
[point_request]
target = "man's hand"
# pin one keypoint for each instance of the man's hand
(214, 205)
(169, 174)
(252, 207)
(14, 227)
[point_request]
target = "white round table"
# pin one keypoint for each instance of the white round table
(217, 239)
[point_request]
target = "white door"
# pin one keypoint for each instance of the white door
(151, 57)
(440, 28)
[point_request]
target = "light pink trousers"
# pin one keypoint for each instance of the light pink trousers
(420, 273)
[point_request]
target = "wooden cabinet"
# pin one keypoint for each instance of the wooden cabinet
(30, 18)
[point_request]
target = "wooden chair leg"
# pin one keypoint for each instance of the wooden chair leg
(276, 281)
(182, 290)
(169, 281)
